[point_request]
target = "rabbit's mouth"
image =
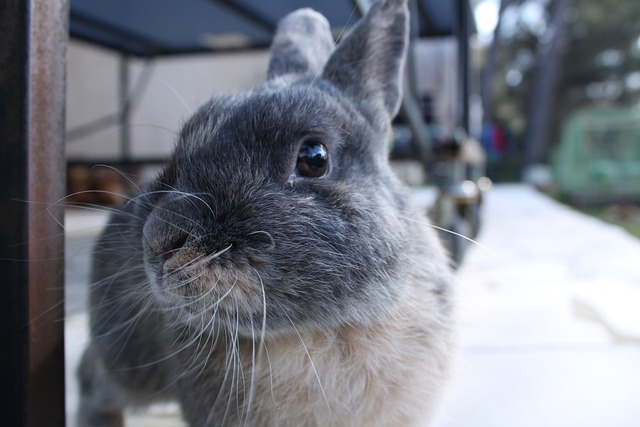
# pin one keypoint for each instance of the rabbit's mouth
(194, 284)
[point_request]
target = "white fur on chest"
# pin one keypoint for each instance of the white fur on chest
(382, 375)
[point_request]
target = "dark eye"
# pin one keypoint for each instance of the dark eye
(313, 159)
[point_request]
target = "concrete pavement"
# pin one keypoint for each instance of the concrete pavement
(549, 312)
(549, 319)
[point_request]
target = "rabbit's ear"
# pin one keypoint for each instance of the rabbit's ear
(368, 64)
(301, 45)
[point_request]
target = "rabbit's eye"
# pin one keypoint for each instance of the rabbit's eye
(313, 159)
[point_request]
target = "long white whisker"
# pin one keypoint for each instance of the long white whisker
(313, 366)
(177, 94)
(469, 239)
(119, 172)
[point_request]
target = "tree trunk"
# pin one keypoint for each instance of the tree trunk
(544, 88)
(489, 71)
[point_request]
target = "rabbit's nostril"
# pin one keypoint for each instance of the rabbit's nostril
(175, 244)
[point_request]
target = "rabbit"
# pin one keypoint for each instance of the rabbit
(276, 272)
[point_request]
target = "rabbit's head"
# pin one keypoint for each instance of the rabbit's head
(278, 209)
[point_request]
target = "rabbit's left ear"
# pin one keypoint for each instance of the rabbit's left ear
(301, 45)
(368, 64)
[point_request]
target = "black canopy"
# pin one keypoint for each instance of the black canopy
(148, 28)
(152, 28)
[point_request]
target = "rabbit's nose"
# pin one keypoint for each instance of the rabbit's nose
(175, 243)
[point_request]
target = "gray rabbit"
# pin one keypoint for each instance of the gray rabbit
(276, 272)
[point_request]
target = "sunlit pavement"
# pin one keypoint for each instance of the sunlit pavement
(549, 319)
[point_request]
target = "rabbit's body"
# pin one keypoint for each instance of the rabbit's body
(276, 273)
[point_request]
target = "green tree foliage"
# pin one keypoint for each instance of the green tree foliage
(603, 58)
(599, 60)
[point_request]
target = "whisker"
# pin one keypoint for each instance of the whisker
(215, 255)
(177, 94)
(469, 239)
(273, 241)
(273, 397)
(313, 366)
(119, 172)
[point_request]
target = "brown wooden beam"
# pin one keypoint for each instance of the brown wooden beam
(33, 37)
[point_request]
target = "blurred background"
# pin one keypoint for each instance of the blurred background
(560, 86)
(550, 89)
(520, 130)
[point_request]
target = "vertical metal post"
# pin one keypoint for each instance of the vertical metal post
(33, 35)
(410, 108)
(461, 17)
(125, 109)
(414, 35)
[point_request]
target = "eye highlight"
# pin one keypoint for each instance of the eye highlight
(313, 160)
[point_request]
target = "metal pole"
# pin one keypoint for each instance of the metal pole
(462, 32)
(125, 110)
(33, 37)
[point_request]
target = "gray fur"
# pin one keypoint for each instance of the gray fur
(185, 270)
(301, 45)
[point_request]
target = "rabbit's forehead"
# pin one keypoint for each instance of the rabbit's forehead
(275, 117)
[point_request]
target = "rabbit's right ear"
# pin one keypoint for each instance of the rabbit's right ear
(301, 45)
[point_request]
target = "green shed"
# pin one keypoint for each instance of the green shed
(598, 159)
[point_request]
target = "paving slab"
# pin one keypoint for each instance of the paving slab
(547, 387)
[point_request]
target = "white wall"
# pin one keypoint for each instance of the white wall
(177, 86)
(436, 74)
